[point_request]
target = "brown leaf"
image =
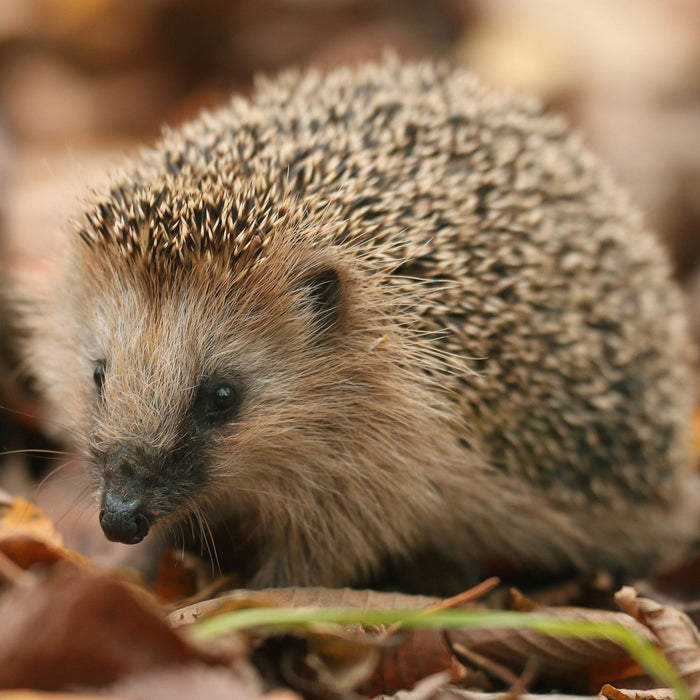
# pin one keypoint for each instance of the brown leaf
(20, 518)
(570, 660)
(459, 694)
(83, 630)
(42, 695)
(192, 681)
(27, 552)
(298, 597)
(348, 598)
(180, 575)
(28, 538)
(412, 657)
(608, 691)
(624, 671)
(427, 689)
(676, 634)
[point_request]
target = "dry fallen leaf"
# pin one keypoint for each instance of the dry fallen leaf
(677, 635)
(298, 597)
(190, 682)
(412, 657)
(42, 695)
(180, 575)
(460, 694)
(608, 692)
(571, 662)
(28, 538)
(20, 518)
(81, 630)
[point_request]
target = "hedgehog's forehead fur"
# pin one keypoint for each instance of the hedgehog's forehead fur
(156, 227)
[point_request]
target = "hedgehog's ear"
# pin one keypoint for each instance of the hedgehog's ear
(322, 289)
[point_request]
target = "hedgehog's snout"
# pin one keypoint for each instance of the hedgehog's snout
(124, 516)
(124, 519)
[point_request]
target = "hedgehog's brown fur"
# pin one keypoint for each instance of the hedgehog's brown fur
(452, 334)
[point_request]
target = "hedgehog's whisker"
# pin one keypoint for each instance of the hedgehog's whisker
(52, 474)
(78, 505)
(31, 452)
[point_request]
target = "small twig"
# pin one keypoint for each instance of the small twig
(504, 674)
(474, 593)
(525, 679)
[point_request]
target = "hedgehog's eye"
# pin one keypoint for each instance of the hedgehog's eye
(99, 377)
(223, 398)
(217, 401)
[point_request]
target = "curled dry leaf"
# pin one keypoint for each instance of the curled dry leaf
(21, 518)
(608, 692)
(27, 552)
(28, 537)
(459, 694)
(674, 630)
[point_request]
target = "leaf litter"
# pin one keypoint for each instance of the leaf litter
(70, 626)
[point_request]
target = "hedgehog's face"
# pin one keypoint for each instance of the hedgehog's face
(205, 391)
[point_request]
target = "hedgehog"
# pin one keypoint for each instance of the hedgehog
(369, 319)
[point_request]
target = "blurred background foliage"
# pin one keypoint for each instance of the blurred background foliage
(83, 79)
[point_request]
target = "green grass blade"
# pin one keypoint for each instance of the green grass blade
(646, 654)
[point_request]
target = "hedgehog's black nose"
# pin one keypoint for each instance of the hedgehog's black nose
(124, 520)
